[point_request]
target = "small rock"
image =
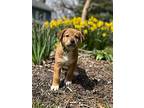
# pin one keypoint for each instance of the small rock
(109, 82)
(40, 66)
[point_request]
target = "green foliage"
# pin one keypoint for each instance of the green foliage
(43, 41)
(97, 40)
(101, 9)
(96, 32)
(37, 105)
(106, 54)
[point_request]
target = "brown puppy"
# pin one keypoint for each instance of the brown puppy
(66, 54)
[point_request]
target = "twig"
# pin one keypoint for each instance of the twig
(67, 103)
(85, 105)
(74, 102)
(88, 52)
(69, 89)
(50, 70)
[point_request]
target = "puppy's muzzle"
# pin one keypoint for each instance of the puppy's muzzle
(72, 42)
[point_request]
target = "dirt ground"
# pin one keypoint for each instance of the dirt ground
(92, 88)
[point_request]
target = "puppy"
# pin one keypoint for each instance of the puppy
(66, 54)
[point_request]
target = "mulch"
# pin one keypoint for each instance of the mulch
(92, 88)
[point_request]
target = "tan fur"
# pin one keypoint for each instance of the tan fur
(66, 54)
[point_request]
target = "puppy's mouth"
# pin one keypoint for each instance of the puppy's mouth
(71, 46)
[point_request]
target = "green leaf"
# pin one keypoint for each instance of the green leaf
(99, 57)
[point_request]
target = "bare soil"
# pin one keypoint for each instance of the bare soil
(92, 88)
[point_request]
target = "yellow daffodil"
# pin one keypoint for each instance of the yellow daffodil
(92, 28)
(100, 23)
(53, 23)
(93, 19)
(85, 31)
(103, 28)
(46, 24)
(107, 24)
(92, 24)
(104, 35)
(77, 27)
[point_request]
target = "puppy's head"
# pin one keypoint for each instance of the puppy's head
(70, 38)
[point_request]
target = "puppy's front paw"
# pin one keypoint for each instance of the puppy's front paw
(54, 87)
(68, 83)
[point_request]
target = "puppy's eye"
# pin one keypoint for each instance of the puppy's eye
(67, 35)
(76, 37)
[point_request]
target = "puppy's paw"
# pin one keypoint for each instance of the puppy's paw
(54, 87)
(68, 83)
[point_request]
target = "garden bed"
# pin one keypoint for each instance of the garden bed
(92, 88)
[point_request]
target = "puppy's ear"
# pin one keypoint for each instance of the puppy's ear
(82, 38)
(60, 34)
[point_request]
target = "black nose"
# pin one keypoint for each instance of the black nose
(72, 42)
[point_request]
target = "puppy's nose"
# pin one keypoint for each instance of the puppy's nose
(72, 41)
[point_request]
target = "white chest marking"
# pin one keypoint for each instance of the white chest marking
(65, 59)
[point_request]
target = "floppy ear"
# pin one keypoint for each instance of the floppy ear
(60, 34)
(82, 38)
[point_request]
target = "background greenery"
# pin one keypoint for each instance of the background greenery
(101, 9)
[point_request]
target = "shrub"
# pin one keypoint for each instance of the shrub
(97, 40)
(43, 41)
(105, 54)
(97, 34)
